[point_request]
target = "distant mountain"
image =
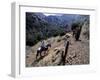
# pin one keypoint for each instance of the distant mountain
(62, 19)
(39, 26)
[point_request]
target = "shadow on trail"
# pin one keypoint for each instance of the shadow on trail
(39, 59)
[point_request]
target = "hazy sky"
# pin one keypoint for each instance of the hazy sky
(48, 14)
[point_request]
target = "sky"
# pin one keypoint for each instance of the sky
(48, 14)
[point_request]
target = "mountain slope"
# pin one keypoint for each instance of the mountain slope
(40, 27)
(78, 53)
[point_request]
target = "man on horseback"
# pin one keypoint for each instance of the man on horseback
(43, 48)
(42, 44)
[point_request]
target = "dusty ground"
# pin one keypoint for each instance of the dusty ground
(78, 53)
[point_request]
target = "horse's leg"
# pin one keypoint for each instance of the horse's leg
(40, 53)
(37, 54)
(46, 50)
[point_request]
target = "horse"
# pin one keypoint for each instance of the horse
(42, 49)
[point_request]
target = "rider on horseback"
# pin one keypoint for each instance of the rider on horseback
(42, 44)
(43, 48)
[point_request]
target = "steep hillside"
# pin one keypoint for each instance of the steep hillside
(78, 53)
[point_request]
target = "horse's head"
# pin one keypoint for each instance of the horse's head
(48, 45)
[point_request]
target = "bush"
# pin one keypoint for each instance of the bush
(58, 40)
(55, 33)
(75, 25)
(62, 33)
(38, 36)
